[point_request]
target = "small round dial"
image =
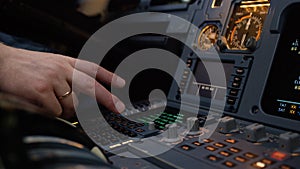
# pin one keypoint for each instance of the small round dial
(246, 29)
(208, 37)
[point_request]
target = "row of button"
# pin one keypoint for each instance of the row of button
(235, 85)
(185, 76)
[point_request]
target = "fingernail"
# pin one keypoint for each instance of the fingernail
(120, 82)
(120, 106)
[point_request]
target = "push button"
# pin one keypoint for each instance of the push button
(234, 150)
(229, 164)
(139, 130)
(207, 140)
(240, 159)
(225, 153)
(210, 148)
(284, 166)
(186, 147)
(231, 141)
(240, 71)
(197, 143)
(233, 92)
(277, 155)
(231, 100)
(237, 79)
(250, 155)
(213, 158)
(267, 161)
(259, 165)
(236, 84)
(220, 145)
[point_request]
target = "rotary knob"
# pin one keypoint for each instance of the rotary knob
(172, 134)
(193, 126)
(151, 126)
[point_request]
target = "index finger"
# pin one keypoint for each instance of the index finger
(98, 72)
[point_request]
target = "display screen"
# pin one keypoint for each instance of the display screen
(201, 85)
(282, 92)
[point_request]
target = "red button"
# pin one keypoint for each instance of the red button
(277, 155)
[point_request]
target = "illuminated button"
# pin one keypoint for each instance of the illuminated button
(184, 77)
(225, 153)
(131, 134)
(186, 72)
(237, 79)
(240, 71)
(186, 147)
(250, 155)
(139, 130)
(259, 165)
(234, 150)
(284, 166)
(210, 148)
(229, 164)
(233, 92)
(132, 126)
(197, 143)
(231, 141)
(213, 158)
(220, 145)
(236, 84)
(207, 140)
(240, 159)
(277, 155)
(231, 100)
(267, 161)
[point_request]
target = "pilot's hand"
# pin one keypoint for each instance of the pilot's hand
(45, 79)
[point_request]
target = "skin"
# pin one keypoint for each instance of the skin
(41, 78)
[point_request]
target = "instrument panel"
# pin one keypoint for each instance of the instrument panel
(245, 24)
(251, 40)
